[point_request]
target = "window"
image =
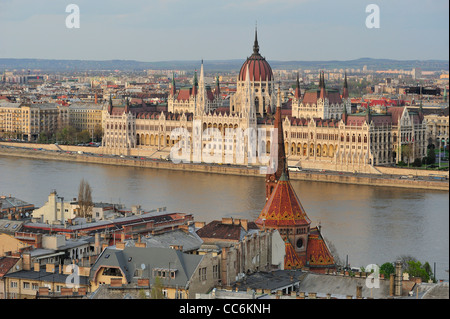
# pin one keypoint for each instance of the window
(26, 285)
(216, 271)
(34, 286)
(13, 284)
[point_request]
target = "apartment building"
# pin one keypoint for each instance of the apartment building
(28, 121)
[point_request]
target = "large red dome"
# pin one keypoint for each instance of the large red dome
(259, 69)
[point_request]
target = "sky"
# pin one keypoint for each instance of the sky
(164, 30)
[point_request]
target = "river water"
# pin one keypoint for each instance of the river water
(366, 224)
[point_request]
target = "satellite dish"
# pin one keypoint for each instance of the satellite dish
(142, 266)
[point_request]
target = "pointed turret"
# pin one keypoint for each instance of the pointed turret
(110, 106)
(344, 114)
(345, 90)
(297, 92)
(127, 105)
(217, 89)
(195, 84)
(173, 88)
(201, 99)
(368, 115)
(322, 86)
(255, 44)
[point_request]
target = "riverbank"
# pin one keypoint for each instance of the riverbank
(383, 180)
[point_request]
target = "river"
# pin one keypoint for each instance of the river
(370, 225)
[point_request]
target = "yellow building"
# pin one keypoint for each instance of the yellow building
(86, 116)
(28, 121)
(51, 281)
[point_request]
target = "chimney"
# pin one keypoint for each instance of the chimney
(50, 268)
(244, 224)
(44, 291)
(358, 292)
(227, 220)
(143, 282)
(398, 278)
(26, 259)
(391, 285)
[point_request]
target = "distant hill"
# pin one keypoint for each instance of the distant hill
(215, 65)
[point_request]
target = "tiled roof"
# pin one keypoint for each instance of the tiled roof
(291, 259)
(220, 231)
(283, 208)
(6, 263)
(317, 252)
(311, 96)
(396, 113)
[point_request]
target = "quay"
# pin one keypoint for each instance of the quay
(388, 177)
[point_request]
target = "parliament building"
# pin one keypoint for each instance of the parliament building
(319, 130)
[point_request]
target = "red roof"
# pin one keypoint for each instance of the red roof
(283, 208)
(317, 252)
(259, 69)
(6, 263)
(291, 259)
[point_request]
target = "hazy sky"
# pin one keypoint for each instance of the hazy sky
(159, 30)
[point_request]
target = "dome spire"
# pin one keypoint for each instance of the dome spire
(255, 45)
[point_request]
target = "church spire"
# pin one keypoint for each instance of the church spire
(202, 92)
(173, 89)
(322, 85)
(297, 93)
(345, 90)
(255, 44)
(282, 168)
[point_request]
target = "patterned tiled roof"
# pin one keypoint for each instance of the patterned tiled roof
(317, 252)
(283, 208)
(291, 259)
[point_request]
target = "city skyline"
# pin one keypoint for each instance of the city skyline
(178, 30)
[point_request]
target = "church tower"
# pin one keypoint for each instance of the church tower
(283, 211)
(272, 179)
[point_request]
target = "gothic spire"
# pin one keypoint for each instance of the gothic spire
(255, 44)
(345, 90)
(297, 93)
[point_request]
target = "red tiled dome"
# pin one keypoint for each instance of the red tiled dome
(258, 67)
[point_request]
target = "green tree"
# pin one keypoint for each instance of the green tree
(415, 269)
(387, 269)
(98, 133)
(407, 151)
(156, 292)
(84, 136)
(431, 156)
(417, 162)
